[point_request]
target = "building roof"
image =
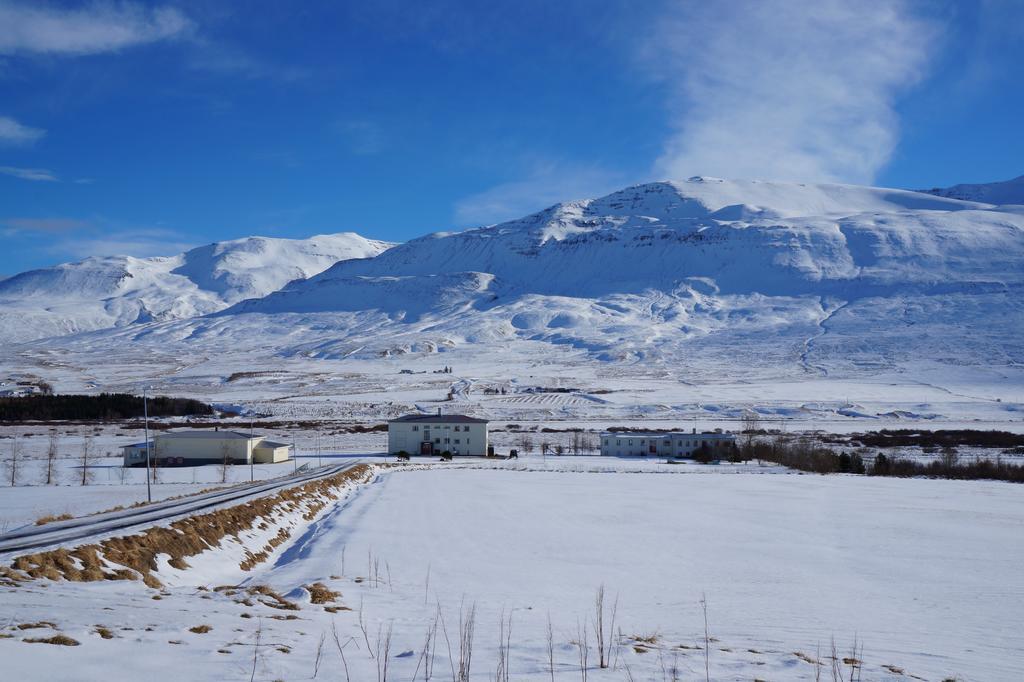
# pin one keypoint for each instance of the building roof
(439, 419)
(218, 435)
(706, 435)
(137, 445)
(272, 444)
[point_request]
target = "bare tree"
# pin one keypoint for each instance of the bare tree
(751, 424)
(86, 460)
(559, 449)
(52, 451)
(949, 457)
(225, 461)
(14, 461)
(525, 443)
(154, 463)
(574, 445)
(545, 448)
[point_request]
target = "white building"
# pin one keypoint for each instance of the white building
(670, 445)
(179, 448)
(432, 434)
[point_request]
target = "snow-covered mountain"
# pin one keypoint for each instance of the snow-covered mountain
(1008, 192)
(655, 271)
(691, 283)
(112, 291)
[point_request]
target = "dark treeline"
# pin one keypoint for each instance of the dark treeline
(105, 406)
(806, 456)
(942, 438)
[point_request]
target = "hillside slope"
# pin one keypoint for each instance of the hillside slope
(113, 291)
(1008, 192)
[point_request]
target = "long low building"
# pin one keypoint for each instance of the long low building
(189, 448)
(670, 445)
(432, 434)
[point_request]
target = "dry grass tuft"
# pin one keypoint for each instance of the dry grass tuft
(268, 597)
(37, 625)
(200, 629)
(103, 632)
(336, 609)
(50, 518)
(62, 640)
(321, 594)
(181, 539)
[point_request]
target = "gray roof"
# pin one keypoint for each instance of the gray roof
(440, 419)
(271, 444)
(219, 435)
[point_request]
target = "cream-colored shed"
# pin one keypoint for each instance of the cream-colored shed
(195, 447)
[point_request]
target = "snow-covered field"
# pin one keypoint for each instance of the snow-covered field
(925, 575)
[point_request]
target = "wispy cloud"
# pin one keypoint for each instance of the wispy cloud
(43, 225)
(74, 239)
(775, 89)
(545, 184)
(14, 133)
(141, 243)
(32, 27)
(35, 174)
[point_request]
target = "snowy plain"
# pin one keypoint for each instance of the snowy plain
(924, 574)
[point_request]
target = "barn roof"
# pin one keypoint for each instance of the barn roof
(218, 435)
(440, 419)
(272, 444)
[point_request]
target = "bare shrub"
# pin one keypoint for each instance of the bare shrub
(467, 624)
(583, 648)
(504, 646)
(52, 451)
(605, 637)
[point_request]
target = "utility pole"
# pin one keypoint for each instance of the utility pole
(252, 455)
(145, 415)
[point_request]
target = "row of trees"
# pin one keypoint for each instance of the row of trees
(105, 406)
(579, 442)
(16, 465)
(803, 454)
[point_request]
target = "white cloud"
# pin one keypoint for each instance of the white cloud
(36, 174)
(91, 29)
(44, 225)
(546, 184)
(775, 89)
(140, 243)
(12, 132)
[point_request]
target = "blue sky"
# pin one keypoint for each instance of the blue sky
(129, 127)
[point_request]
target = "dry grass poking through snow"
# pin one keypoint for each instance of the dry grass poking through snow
(62, 640)
(184, 538)
(43, 520)
(321, 594)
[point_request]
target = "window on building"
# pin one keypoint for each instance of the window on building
(437, 441)
(457, 428)
(456, 441)
(415, 428)
(618, 442)
(447, 441)
(606, 441)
